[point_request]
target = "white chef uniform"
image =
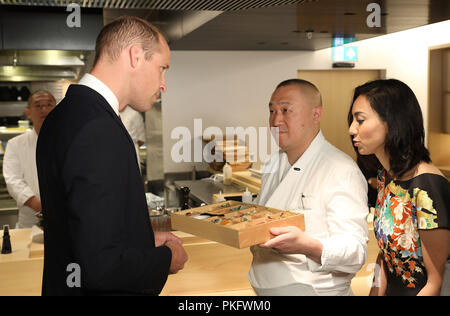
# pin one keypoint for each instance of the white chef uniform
(134, 123)
(331, 191)
(20, 172)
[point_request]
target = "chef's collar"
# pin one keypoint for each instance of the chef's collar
(96, 84)
(310, 152)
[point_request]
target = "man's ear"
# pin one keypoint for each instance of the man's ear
(317, 114)
(136, 55)
(27, 112)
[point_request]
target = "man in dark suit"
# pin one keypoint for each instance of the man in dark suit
(97, 232)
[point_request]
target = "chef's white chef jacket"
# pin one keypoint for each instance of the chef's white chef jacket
(328, 187)
(20, 172)
(134, 123)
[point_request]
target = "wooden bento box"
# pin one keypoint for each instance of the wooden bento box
(236, 224)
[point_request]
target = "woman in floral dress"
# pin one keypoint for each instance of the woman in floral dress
(412, 213)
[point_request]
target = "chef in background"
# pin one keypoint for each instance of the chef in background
(19, 162)
(134, 123)
(310, 175)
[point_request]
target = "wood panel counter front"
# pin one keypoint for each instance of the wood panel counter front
(212, 269)
(20, 275)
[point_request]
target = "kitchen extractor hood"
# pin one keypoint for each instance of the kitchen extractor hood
(41, 65)
(36, 44)
(27, 28)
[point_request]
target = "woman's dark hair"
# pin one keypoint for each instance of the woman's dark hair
(396, 105)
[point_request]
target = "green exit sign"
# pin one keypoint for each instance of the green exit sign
(345, 53)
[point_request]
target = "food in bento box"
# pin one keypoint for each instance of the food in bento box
(234, 223)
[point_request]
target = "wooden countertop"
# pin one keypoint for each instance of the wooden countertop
(20, 244)
(20, 275)
(212, 269)
(245, 179)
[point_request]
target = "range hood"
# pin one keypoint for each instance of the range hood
(37, 45)
(41, 65)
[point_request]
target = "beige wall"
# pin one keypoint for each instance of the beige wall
(439, 106)
(231, 88)
(337, 88)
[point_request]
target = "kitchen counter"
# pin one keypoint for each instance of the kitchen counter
(8, 216)
(205, 190)
(222, 270)
(8, 205)
(8, 133)
(20, 275)
(212, 269)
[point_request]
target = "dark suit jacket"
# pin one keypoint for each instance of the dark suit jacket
(95, 210)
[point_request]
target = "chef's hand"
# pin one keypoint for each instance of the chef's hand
(292, 240)
(161, 238)
(34, 203)
(179, 256)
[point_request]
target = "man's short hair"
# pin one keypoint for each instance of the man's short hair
(39, 92)
(309, 89)
(125, 31)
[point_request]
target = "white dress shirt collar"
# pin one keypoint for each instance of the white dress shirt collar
(97, 85)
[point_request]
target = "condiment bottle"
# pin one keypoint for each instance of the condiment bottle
(227, 174)
(185, 204)
(247, 196)
(6, 245)
(220, 198)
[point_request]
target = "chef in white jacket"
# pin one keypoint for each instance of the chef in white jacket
(309, 175)
(19, 162)
(134, 123)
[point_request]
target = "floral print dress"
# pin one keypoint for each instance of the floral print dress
(402, 209)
